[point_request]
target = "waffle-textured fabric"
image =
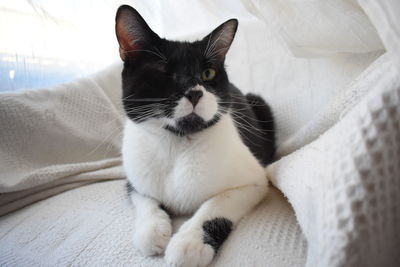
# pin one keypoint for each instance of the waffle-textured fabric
(345, 185)
(337, 109)
(93, 226)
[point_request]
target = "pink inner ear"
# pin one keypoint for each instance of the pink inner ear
(221, 40)
(127, 41)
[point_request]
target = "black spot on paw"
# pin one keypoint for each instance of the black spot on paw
(129, 188)
(216, 231)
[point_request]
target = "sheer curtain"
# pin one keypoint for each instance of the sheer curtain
(46, 42)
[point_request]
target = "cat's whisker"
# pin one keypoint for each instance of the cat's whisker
(149, 105)
(242, 103)
(146, 99)
(117, 118)
(244, 136)
(148, 114)
(252, 103)
(97, 104)
(145, 116)
(161, 54)
(248, 117)
(239, 109)
(110, 144)
(145, 107)
(105, 140)
(140, 110)
(128, 96)
(142, 118)
(148, 51)
(245, 125)
(249, 130)
(249, 125)
(123, 98)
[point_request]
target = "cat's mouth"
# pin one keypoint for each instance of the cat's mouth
(191, 116)
(190, 124)
(194, 112)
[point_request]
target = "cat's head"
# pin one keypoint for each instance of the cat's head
(180, 85)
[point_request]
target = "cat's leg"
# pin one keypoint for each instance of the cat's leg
(199, 238)
(152, 226)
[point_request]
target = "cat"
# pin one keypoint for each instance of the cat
(192, 142)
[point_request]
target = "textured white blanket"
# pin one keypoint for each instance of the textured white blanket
(337, 105)
(345, 185)
(93, 226)
(56, 139)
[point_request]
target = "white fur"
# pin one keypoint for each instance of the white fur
(211, 172)
(153, 226)
(188, 249)
(206, 108)
(183, 172)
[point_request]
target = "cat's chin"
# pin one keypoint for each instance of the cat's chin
(191, 124)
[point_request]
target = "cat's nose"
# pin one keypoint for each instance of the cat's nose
(194, 96)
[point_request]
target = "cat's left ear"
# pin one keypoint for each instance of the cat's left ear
(220, 39)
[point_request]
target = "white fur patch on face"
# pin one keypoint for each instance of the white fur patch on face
(206, 108)
(183, 108)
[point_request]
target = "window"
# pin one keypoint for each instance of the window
(47, 42)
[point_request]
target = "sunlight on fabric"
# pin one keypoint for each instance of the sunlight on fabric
(11, 73)
(46, 42)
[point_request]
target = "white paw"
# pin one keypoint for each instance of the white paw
(187, 249)
(152, 233)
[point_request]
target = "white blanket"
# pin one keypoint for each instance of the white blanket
(93, 226)
(60, 138)
(344, 179)
(336, 103)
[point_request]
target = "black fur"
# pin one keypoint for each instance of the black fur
(159, 72)
(255, 122)
(191, 124)
(265, 149)
(216, 231)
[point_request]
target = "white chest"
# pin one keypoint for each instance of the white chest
(183, 172)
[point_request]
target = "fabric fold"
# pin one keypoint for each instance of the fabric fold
(59, 138)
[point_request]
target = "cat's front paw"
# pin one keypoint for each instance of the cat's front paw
(188, 249)
(152, 233)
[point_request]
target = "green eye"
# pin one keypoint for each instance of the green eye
(208, 74)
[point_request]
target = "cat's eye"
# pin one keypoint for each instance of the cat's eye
(208, 74)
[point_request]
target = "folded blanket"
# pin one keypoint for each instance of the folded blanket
(59, 138)
(341, 172)
(345, 186)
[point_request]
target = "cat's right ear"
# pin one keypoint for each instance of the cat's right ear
(132, 32)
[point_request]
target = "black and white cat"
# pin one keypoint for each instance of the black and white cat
(193, 143)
